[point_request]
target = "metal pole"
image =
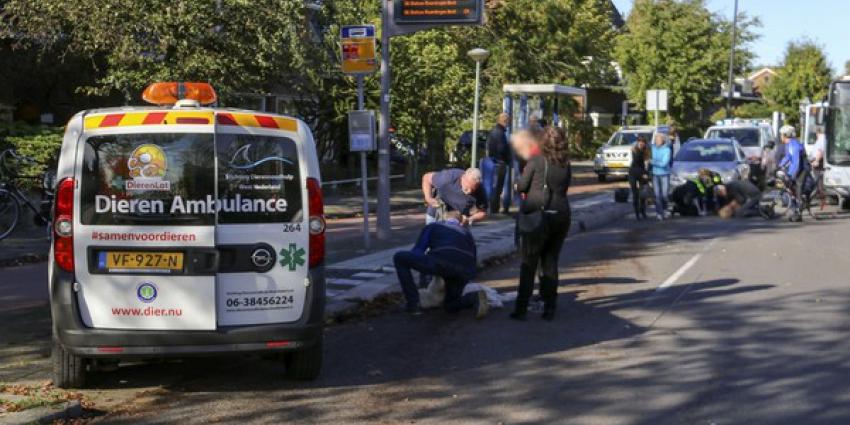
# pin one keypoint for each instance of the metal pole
(382, 222)
(364, 172)
(731, 87)
(475, 115)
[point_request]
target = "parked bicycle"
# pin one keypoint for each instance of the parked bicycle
(12, 196)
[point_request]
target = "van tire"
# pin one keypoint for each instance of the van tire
(602, 178)
(305, 364)
(69, 370)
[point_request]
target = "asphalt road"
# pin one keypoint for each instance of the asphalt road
(696, 321)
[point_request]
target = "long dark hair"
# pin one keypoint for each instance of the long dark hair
(553, 146)
(643, 152)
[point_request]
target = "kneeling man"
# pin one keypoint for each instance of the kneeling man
(742, 199)
(445, 249)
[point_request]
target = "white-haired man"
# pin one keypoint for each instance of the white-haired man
(457, 190)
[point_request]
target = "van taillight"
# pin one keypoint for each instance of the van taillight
(316, 223)
(63, 226)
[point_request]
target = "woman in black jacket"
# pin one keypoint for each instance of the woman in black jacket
(639, 176)
(544, 247)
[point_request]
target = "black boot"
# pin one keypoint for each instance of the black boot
(549, 292)
(520, 311)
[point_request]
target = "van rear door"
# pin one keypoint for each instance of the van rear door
(144, 237)
(262, 230)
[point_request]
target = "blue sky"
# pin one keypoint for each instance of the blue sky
(827, 22)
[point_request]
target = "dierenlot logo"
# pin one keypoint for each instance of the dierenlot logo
(147, 165)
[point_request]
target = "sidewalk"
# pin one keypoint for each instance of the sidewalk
(364, 278)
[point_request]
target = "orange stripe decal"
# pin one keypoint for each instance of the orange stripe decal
(266, 121)
(111, 120)
(226, 119)
(154, 118)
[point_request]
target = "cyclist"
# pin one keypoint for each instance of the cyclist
(797, 166)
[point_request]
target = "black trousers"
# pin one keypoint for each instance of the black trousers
(636, 183)
(499, 170)
(542, 250)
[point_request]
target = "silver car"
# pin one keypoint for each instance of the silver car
(723, 156)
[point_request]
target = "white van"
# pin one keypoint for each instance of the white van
(186, 230)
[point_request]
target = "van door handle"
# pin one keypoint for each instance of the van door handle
(205, 262)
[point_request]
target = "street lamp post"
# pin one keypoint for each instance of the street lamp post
(731, 87)
(478, 55)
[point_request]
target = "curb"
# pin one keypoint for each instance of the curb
(583, 221)
(44, 415)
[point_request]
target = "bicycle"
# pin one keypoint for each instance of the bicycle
(11, 196)
(783, 199)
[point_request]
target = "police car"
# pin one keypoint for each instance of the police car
(182, 229)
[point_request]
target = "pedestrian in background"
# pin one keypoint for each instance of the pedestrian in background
(544, 219)
(499, 152)
(639, 176)
(817, 163)
(662, 156)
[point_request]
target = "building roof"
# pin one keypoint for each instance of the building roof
(762, 71)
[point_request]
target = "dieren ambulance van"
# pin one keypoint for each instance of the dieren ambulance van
(186, 230)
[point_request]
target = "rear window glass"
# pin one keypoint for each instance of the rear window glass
(748, 137)
(148, 179)
(170, 179)
(262, 170)
(706, 152)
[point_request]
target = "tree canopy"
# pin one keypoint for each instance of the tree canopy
(683, 47)
(805, 73)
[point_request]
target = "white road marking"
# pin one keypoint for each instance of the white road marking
(368, 275)
(341, 281)
(685, 267)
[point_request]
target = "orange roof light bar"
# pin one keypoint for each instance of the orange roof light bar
(170, 93)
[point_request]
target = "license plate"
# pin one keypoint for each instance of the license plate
(140, 262)
(617, 164)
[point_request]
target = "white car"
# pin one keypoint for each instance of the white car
(186, 230)
(614, 157)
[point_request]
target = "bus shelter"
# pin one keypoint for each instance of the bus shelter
(533, 105)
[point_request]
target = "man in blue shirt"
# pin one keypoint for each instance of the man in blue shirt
(795, 160)
(446, 249)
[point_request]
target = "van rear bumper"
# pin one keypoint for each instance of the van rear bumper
(75, 337)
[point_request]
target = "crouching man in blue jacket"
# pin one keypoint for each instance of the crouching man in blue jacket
(445, 249)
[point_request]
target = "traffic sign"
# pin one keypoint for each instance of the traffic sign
(359, 55)
(438, 12)
(361, 131)
(656, 100)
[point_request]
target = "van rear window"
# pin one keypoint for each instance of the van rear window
(148, 179)
(259, 179)
(173, 179)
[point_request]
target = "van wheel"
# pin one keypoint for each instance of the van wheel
(305, 364)
(69, 370)
(602, 178)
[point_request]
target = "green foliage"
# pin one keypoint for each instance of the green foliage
(683, 47)
(748, 110)
(566, 42)
(38, 142)
(805, 73)
(242, 46)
